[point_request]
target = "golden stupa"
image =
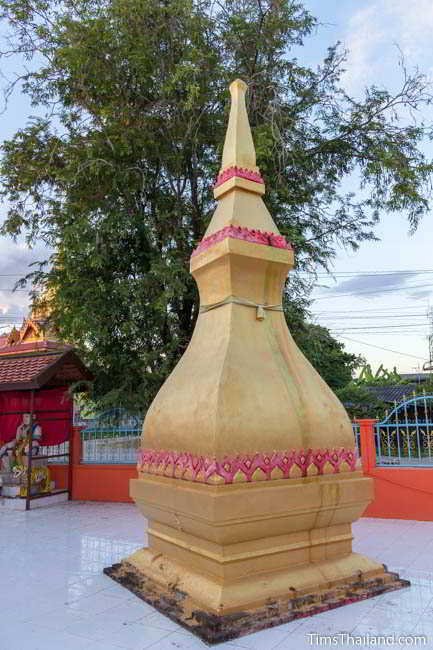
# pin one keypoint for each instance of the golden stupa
(247, 472)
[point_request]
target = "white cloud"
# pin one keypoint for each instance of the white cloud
(414, 19)
(375, 31)
(363, 36)
(15, 260)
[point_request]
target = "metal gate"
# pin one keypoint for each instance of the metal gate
(405, 436)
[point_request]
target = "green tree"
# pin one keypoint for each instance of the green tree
(382, 376)
(116, 176)
(335, 365)
(360, 402)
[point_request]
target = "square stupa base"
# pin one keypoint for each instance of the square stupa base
(212, 628)
(227, 560)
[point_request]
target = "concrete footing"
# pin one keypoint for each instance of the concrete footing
(211, 628)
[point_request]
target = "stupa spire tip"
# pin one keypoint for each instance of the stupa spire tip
(239, 155)
(238, 84)
(239, 148)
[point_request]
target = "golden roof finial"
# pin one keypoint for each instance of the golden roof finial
(14, 336)
(239, 148)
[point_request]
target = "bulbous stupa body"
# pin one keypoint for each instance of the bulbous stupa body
(248, 470)
(243, 387)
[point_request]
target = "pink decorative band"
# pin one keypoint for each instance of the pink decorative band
(240, 172)
(246, 468)
(246, 234)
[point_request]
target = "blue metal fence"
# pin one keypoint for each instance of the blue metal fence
(405, 436)
(356, 433)
(112, 438)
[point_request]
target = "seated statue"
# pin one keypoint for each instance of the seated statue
(15, 452)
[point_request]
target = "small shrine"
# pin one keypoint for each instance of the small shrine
(248, 472)
(35, 411)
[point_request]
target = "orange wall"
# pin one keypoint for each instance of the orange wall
(102, 482)
(59, 474)
(399, 492)
(402, 493)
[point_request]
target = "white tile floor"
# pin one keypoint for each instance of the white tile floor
(53, 595)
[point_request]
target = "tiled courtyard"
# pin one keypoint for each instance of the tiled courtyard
(53, 595)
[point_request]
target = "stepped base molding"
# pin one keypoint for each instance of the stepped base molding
(226, 560)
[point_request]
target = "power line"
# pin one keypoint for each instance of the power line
(372, 273)
(359, 311)
(419, 333)
(321, 273)
(380, 327)
(353, 316)
(380, 313)
(369, 292)
(371, 345)
(413, 335)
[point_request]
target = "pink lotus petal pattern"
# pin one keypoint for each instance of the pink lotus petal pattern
(206, 469)
(246, 234)
(241, 172)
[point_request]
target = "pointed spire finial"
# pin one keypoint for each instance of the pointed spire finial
(238, 165)
(239, 148)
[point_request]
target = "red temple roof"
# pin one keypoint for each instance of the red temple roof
(33, 370)
(32, 358)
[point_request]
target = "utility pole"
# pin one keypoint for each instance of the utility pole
(428, 365)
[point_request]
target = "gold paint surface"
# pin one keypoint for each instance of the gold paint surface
(242, 387)
(240, 183)
(239, 148)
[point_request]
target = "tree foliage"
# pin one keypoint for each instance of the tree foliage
(361, 402)
(116, 176)
(335, 365)
(382, 376)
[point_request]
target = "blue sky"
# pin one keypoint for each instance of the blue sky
(379, 297)
(384, 302)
